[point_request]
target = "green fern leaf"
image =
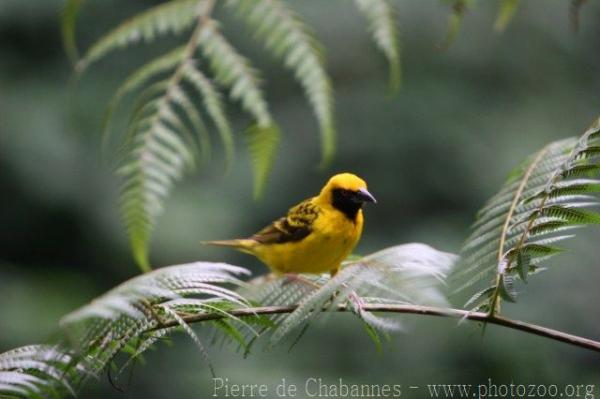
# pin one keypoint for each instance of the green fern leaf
(158, 157)
(190, 332)
(234, 72)
(289, 39)
(262, 146)
(543, 197)
(233, 332)
(523, 264)
(585, 170)
(570, 188)
(571, 215)
(551, 226)
(384, 28)
(139, 78)
(375, 338)
(69, 16)
(482, 246)
(213, 104)
(507, 290)
(589, 152)
(538, 250)
(506, 14)
(186, 105)
(170, 17)
(475, 303)
(36, 371)
(459, 8)
(133, 316)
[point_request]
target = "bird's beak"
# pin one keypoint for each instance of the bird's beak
(364, 196)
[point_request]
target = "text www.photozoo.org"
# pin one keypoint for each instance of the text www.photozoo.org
(320, 388)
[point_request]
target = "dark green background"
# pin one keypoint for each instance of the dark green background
(431, 156)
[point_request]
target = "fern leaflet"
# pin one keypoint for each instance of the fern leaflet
(384, 28)
(289, 39)
(506, 13)
(69, 15)
(233, 71)
(170, 17)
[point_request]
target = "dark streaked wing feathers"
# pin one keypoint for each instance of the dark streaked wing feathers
(293, 227)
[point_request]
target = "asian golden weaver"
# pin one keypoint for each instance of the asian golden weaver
(316, 235)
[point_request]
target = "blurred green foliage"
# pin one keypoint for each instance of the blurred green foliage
(431, 155)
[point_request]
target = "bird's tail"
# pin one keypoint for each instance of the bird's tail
(241, 244)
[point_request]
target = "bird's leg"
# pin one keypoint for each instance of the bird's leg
(294, 277)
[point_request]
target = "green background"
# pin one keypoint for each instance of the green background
(431, 155)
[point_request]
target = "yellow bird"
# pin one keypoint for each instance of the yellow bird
(316, 235)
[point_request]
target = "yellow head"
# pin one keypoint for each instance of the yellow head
(346, 192)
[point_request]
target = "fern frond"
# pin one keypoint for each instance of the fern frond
(157, 159)
(133, 316)
(262, 146)
(289, 39)
(544, 197)
(384, 28)
(160, 144)
(170, 17)
(36, 371)
(482, 246)
(213, 105)
(506, 13)
(147, 307)
(68, 22)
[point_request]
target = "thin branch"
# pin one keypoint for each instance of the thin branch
(408, 309)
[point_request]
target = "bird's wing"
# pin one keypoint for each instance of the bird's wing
(293, 227)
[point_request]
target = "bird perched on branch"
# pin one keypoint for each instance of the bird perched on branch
(316, 235)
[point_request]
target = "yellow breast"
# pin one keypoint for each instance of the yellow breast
(332, 239)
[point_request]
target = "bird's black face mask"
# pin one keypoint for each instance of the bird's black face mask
(349, 202)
